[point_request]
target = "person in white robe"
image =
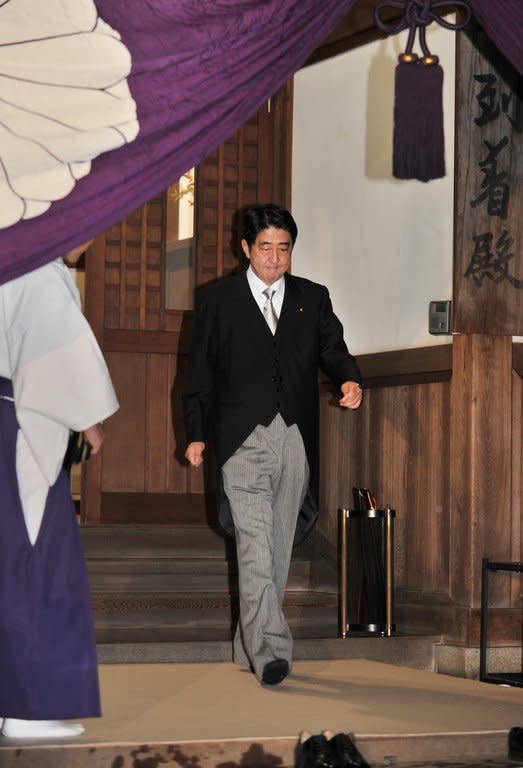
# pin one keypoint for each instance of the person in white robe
(56, 380)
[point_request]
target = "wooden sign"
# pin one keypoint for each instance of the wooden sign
(488, 257)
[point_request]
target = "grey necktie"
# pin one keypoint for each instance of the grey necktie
(269, 312)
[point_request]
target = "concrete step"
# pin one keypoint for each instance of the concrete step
(414, 651)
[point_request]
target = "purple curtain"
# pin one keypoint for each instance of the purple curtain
(104, 104)
(502, 20)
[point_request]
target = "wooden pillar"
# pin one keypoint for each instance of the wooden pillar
(480, 460)
(487, 311)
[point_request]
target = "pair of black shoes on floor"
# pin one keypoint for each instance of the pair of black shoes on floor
(327, 750)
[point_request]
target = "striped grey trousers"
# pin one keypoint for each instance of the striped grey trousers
(265, 481)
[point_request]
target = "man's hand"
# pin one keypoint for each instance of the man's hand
(194, 453)
(352, 395)
(94, 436)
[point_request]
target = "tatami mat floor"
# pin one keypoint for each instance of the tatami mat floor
(219, 701)
(215, 701)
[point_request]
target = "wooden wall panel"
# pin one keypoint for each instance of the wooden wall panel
(385, 446)
(396, 445)
(158, 424)
(150, 424)
(427, 489)
(448, 456)
(340, 460)
(124, 447)
(181, 479)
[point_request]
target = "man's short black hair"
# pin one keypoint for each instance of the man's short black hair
(256, 218)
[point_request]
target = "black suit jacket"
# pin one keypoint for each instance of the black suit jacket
(240, 375)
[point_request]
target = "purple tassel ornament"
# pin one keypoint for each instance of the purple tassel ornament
(419, 143)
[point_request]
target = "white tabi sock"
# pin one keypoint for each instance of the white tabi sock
(39, 729)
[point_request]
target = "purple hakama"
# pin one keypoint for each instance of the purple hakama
(48, 666)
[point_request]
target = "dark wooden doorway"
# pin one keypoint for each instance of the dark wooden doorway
(141, 476)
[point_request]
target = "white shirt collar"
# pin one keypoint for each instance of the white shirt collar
(258, 286)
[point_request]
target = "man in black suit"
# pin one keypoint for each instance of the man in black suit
(259, 338)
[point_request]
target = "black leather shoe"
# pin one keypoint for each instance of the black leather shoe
(316, 752)
(344, 752)
(275, 671)
(515, 744)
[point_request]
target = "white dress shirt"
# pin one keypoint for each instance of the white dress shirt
(257, 287)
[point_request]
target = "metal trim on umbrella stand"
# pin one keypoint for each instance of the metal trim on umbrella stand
(381, 551)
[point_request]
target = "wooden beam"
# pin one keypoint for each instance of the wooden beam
(408, 366)
(357, 28)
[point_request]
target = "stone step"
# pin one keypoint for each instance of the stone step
(168, 594)
(193, 616)
(179, 584)
(140, 559)
(414, 651)
(122, 542)
(135, 575)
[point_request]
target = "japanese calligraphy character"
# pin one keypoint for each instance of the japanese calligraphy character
(487, 99)
(495, 190)
(486, 263)
(492, 104)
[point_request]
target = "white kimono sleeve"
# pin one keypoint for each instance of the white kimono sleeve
(59, 377)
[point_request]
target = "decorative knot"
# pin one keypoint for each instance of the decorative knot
(418, 15)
